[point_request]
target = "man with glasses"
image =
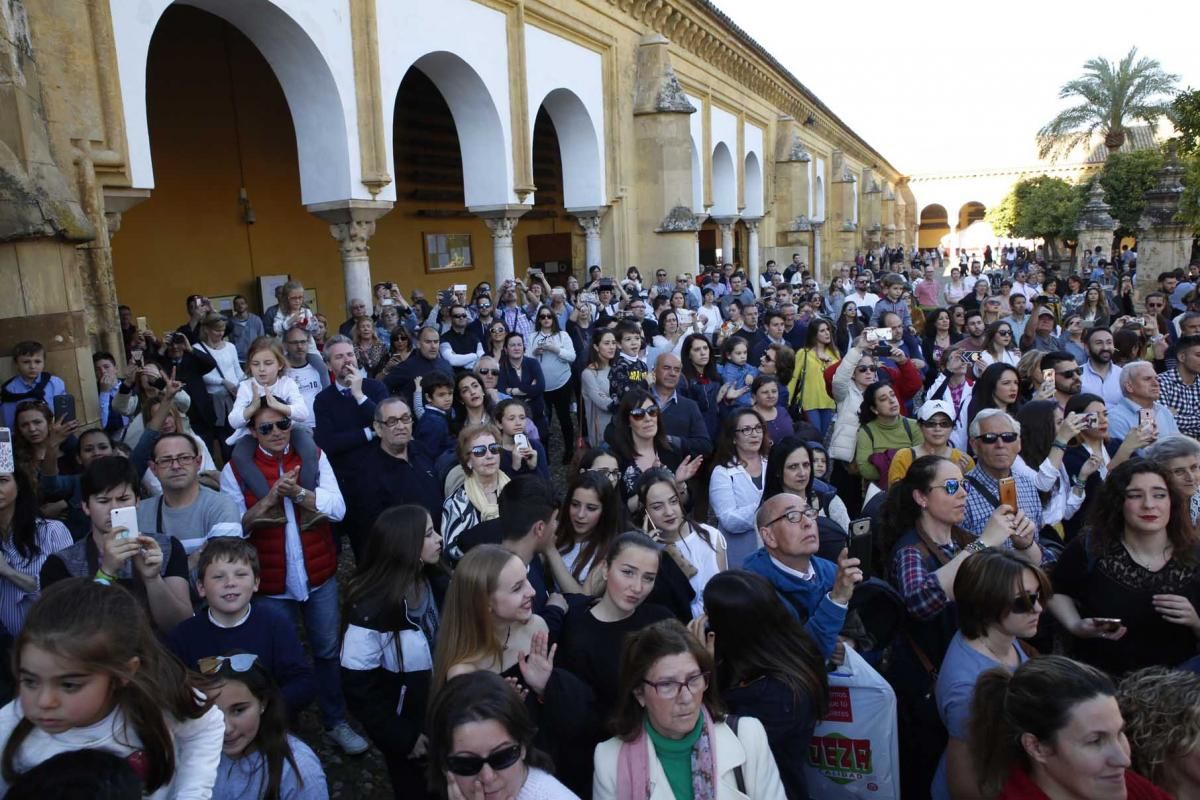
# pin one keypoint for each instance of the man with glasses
(996, 440)
(814, 589)
(661, 284)
(690, 290)
(637, 312)
(304, 367)
(862, 297)
(460, 346)
(1068, 376)
(298, 573)
(185, 509)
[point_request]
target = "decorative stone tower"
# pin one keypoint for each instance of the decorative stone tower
(1163, 243)
(1096, 225)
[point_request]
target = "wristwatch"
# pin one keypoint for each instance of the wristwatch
(977, 546)
(299, 498)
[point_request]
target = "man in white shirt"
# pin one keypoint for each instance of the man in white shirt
(306, 369)
(1101, 377)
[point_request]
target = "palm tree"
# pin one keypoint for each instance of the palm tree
(1111, 95)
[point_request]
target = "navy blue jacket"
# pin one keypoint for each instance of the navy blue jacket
(381, 481)
(402, 379)
(433, 432)
(532, 383)
(341, 425)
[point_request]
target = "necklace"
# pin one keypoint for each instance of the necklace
(1150, 560)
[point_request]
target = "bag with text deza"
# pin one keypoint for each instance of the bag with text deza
(854, 751)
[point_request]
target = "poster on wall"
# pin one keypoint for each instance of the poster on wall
(266, 289)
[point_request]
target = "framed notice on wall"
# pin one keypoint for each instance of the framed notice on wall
(445, 252)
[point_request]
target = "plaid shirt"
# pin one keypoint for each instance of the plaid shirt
(979, 508)
(1183, 400)
(913, 574)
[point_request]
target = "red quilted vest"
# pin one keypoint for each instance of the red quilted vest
(320, 556)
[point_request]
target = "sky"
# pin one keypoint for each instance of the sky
(937, 86)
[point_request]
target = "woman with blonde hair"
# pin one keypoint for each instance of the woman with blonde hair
(478, 499)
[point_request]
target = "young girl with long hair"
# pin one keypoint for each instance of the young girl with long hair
(260, 760)
(472, 404)
(702, 381)
(393, 614)
(94, 675)
(699, 550)
(597, 401)
(512, 419)
(848, 327)
(592, 516)
(26, 541)
(999, 346)
(807, 389)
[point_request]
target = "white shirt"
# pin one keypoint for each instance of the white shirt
(309, 382)
(329, 502)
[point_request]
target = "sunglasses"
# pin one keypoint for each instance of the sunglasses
(240, 662)
(458, 316)
(951, 487)
(487, 371)
(991, 438)
(1004, 333)
(865, 369)
(481, 450)
(934, 423)
(1072, 373)
(1026, 603)
(638, 413)
(468, 766)
(267, 427)
(544, 316)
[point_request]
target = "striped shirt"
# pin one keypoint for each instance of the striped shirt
(15, 602)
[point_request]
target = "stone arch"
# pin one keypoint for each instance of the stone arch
(583, 179)
(752, 176)
(724, 182)
(969, 213)
(933, 226)
(326, 127)
(477, 121)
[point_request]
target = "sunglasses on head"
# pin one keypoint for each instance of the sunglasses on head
(1007, 437)
(638, 413)
(266, 427)
(468, 766)
(239, 662)
(1026, 603)
(481, 450)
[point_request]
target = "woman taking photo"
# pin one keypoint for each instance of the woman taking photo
(1046, 434)
(1092, 455)
(767, 668)
(522, 378)
(999, 347)
(481, 744)
(393, 611)
(1127, 589)
(400, 349)
(529, 458)
(370, 352)
(672, 739)
(807, 389)
(999, 387)
(702, 381)
(736, 486)
(857, 371)
(883, 431)
(1052, 728)
(594, 380)
(849, 326)
(765, 391)
(698, 549)
(555, 354)
(790, 469)
(999, 599)
(936, 418)
(478, 499)
(641, 444)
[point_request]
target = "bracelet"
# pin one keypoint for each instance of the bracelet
(100, 573)
(1060, 445)
(103, 578)
(1026, 547)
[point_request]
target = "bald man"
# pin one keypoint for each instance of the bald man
(816, 590)
(684, 424)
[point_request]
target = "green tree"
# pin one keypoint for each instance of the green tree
(1043, 208)
(1186, 116)
(1111, 95)
(1126, 178)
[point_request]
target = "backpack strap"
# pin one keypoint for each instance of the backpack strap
(732, 721)
(983, 490)
(38, 392)
(908, 432)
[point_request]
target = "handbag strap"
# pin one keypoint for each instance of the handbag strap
(220, 371)
(732, 721)
(983, 490)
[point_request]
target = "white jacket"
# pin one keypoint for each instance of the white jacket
(734, 498)
(747, 748)
(848, 397)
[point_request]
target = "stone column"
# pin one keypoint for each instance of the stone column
(725, 225)
(502, 222)
(818, 265)
(695, 268)
(1163, 243)
(753, 256)
(352, 224)
(1095, 224)
(589, 219)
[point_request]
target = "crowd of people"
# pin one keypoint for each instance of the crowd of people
(610, 538)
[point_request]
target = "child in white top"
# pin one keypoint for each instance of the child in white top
(93, 675)
(267, 384)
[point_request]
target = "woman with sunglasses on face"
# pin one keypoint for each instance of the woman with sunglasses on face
(1135, 564)
(999, 347)
(924, 547)
(400, 349)
(673, 739)
(936, 418)
(779, 362)
(767, 667)
(697, 549)
(736, 485)
(849, 326)
(555, 352)
(478, 499)
(393, 612)
(597, 400)
(790, 469)
(497, 335)
(855, 372)
(640, 443)
(481, 744)
(1000, 599)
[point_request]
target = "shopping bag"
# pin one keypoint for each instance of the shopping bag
(854, 752)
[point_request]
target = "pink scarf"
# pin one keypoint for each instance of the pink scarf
(633, 765)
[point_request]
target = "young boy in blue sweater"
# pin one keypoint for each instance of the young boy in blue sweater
(227, 573)
(433, 428)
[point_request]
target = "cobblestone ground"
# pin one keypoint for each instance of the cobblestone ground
(365, 777)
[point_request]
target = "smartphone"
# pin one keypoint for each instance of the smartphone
(1107, 624)
(137, 357)
(1139, 321)
(1048, 376)
(1091, 420)
(1145, 417)
(8, 463)
(878, 334)
(685, 316)
(860, 527)
(1008, 493)
(142, 324)
(521, 441)
(64, 406)
(971, 356)
(125, 518)
(387, 301)
(445, 298)
(535, 272)
(460, 287)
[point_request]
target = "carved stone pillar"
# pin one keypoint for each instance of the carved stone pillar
(1095, 225)
(725, 225)
(352, 224)
(818, 265)
(502, 222)
(752, 256)
(1163, 243)
(589, 219)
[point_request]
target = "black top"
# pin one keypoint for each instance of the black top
(591, 649)
(1114, 585)
(788, 721)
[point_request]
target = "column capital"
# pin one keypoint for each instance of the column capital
(752, 223)
(725, 223)
(589, 218)
(501, 220)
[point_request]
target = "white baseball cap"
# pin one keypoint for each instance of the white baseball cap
(932, 407)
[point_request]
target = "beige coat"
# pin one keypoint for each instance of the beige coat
(747, 748)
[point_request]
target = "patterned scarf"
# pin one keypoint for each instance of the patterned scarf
(633, 765)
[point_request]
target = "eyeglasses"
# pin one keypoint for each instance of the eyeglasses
(267, 427)
(935, 423)
(951, 487)
(481, 450)
(239, 662)
(487, 371)
(1026, 603)
(468, 766)
(392, 422)
(638, 413)
(865, 369)
(611, 474)
(795, 515)
(1072, 373)
(991, 438)
(668, 690)
(749, 430)
(458, 316)
(185, 460)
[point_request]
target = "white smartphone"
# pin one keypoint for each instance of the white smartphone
(8, 463)
(125, 518)
(521, 441)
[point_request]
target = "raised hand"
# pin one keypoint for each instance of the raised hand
(537, 665)
(688, 468)
(849, 574)
(698, 627)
